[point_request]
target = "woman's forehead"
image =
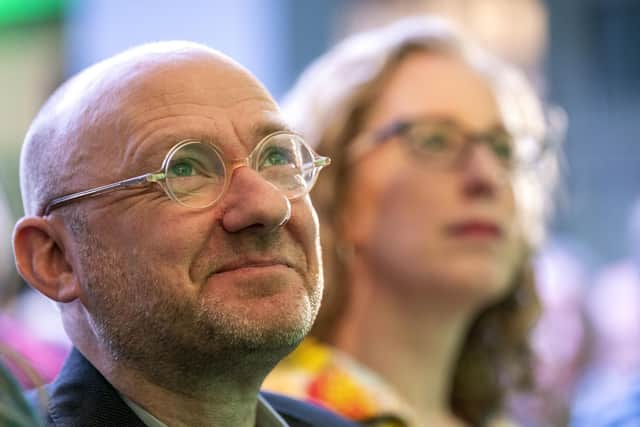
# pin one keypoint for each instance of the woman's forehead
(427, 83)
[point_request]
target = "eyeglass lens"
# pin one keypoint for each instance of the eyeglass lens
(196, 171)
(445, 142)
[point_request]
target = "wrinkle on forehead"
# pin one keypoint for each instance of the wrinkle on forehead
(148, 156)
(195, 100)
(85, 118)
(152, 134)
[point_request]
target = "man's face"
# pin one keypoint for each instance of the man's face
(175, 284)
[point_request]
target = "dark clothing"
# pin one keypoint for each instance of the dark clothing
(81, 397)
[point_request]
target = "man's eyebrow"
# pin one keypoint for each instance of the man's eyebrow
(262, 129)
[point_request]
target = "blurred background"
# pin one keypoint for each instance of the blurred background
(583, 55)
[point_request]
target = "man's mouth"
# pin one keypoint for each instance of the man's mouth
(251, 264)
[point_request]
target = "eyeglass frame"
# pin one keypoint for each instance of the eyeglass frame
(159, 176)
(369, 140)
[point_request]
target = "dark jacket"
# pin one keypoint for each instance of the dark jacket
(81, 397)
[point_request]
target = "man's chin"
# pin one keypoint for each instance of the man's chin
(267, 327)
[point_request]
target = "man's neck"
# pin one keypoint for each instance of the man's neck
(222, 399)
(221, 405)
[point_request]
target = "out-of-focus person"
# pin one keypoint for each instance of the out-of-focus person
(22, 308)
(7, 272)
(25, 317)
(14, 409)
(441, 182)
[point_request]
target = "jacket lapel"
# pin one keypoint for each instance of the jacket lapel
(81, 396)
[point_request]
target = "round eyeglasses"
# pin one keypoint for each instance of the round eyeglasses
(196, 175)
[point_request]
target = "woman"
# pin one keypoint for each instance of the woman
(436, 197)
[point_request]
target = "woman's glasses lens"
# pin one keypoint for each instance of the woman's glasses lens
(445, 143)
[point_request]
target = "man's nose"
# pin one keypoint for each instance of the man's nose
(483, 172)
(253, 202)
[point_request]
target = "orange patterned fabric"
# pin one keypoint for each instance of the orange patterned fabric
(320, 374)
(323, 375)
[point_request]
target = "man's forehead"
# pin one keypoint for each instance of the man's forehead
(193, 79)
(212, 98)
(131, 83)
(235, 130)
(237, 142)
(185, 83)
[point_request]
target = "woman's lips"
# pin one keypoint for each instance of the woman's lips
(471, 229)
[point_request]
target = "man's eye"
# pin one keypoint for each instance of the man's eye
(276, 157)
(182, 168)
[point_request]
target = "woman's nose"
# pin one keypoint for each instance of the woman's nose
(484, 174)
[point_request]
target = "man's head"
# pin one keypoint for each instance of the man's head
(141, 278)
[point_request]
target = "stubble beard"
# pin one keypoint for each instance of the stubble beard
(144, 326)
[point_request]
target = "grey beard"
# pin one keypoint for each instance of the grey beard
(180, 343)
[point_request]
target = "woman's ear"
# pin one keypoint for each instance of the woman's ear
(41, 261)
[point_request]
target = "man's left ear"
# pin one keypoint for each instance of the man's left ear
(41, 259)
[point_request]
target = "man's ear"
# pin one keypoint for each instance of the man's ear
(41, 260)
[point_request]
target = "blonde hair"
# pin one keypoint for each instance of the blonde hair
(328, 106)
(322, 102)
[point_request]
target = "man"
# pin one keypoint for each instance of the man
(181, 282)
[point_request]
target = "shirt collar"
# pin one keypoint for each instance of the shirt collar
(266, 416)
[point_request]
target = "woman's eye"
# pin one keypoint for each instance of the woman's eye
(502, 147)
(503, 151)
(434, 142)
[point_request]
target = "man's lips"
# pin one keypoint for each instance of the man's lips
(475, 228)
(251, 264)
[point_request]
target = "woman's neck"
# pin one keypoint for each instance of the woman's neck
(413, 344)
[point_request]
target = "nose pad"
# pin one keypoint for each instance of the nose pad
(287, 215)
(251, 202)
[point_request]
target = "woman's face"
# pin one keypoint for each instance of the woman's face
(445, 231)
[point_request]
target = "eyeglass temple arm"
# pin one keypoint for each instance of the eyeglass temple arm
(365, 142)
(318, 162)
(92, 192)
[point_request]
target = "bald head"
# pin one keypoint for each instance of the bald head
(78, 123)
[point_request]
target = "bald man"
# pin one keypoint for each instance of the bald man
(167, 214)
